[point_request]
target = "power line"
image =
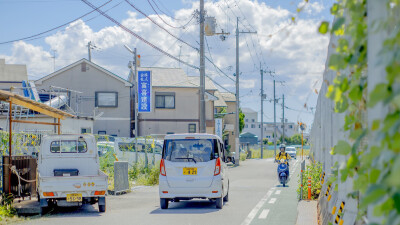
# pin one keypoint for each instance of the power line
(137, 36)
(182, 26)
(55, 28)
(140, 11)
(215, 66)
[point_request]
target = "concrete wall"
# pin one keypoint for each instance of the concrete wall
(327, 128)
(115, 120)
(12, 72)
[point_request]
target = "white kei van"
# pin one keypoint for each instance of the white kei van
(193, 166)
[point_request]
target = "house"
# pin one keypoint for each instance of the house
(12, 75)
(92, 91)
(229, 119)
(175, 106)
(253, 126)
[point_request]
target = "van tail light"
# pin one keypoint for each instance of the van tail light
(48, 194)
(162, 168)
(217, 170)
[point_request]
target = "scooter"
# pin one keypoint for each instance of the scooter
(283, 172)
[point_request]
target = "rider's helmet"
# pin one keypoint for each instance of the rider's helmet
(282, 147)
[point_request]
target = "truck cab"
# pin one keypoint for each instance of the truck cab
(69, 172)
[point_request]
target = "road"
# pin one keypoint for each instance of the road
(255, 198)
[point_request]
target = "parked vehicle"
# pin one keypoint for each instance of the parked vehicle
(68, 172)
(283, 171)
(125, 149)
(292, 152)
(193, 166)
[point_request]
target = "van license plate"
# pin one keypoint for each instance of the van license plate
(74, 197)
(190, 171)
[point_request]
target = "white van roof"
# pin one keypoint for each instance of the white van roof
(192, 136)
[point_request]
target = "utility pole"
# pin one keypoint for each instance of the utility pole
(237, 130)
(274, 121)
(202, 72)
(262, 112)
(54, 59)
(133, 79)
(283, 118)
(90, 47)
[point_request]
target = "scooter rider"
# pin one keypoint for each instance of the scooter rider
(283, 155)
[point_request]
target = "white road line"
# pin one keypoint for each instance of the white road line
(263, 214)
(272, 201)
(254, 211)
(278, 192)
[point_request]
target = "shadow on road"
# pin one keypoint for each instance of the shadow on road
(188, 207)
(82, 211)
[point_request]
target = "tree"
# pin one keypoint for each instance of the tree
(265, 141)
(241, 120)
(296, 139)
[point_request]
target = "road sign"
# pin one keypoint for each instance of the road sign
(218, 127)
(144, 91)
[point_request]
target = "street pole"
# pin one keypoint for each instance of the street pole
(274, 122)
(283, 118)
(136, 105)
(237, 130)
(202, 72)
(262, 112)
(237, 152)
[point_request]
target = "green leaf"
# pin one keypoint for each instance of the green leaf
(393, 178)
(337, 62)
(355, 93)
(342, 105)
(334, 9)
(396, 199)
(324, 27)
(373, 194)
(375, 125)
(374, 175)
(380, 92)
(354, 134)
(352, 161)
(384, 207)
(342, 148)
(337, 24)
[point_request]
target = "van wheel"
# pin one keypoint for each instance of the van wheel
(164, 203)
(219, 203)
(226, 198)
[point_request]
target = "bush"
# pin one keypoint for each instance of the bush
(143, 175)
(6, 208)
(314, 170)
(243, 156)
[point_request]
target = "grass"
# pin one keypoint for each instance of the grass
(7, 211)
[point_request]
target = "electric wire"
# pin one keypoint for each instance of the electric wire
(165, 21)
(55, 28)
(137, 36)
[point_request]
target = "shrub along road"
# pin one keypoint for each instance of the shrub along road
(253, 188)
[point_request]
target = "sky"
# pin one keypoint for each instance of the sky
(291, 52)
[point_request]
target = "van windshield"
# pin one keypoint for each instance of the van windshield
(190, 150)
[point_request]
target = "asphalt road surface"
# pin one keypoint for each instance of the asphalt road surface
(255, 197)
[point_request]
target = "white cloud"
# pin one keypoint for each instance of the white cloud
(295, 50)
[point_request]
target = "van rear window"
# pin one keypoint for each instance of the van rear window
(190, 150)
(68, 146)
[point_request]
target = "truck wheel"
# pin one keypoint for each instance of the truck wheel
(164, 203)
(226, 198)
(102, 204)
(219, 203)
(102, 208)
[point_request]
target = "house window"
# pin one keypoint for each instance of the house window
(259, 126)
(165, 100)
(86, 130)
(102, 132)
(246, 126)
(290, 126)
(106, 99)
(192, 128)
(247, 120)
(252, 120)
(253, 126)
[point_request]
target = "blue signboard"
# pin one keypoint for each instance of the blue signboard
(144, 91)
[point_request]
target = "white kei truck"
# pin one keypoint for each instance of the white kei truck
(69, 172)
